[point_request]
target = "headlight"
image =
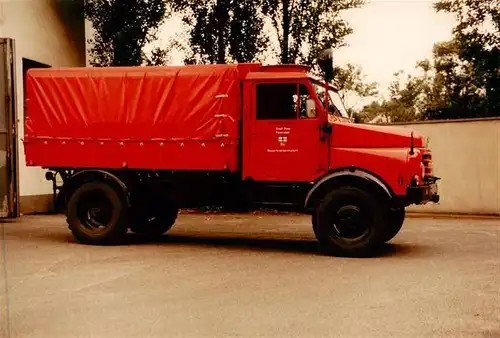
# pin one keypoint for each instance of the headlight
(415, 181)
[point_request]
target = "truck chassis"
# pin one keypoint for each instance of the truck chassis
(351, 215)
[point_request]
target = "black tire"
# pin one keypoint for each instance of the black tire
(349, 223)
(314, 221)
(155, 224)
(97, 214)
(394, 223)
(154, 210)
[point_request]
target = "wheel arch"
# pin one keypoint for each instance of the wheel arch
(92, 175)
(357, 177)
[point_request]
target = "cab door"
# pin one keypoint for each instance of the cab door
(283, 138)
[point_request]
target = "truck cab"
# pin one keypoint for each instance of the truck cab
(297, 133)
(288, 119)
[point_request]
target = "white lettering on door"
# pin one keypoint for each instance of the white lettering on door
(282, 134)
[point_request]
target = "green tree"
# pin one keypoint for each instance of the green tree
(158, 57)
(451, 89)
(462, 78)
(477, 36)
(353, 88)
(222, 31)
(404, 102)
(122, 29)
(448, 88)
(306, 27)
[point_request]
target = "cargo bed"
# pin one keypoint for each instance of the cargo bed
(179, 118)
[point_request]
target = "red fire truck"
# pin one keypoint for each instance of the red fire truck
(133, 145)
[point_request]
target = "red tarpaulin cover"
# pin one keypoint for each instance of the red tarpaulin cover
(183, 117)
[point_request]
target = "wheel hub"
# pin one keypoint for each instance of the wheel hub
(349, 222)
(95, 211)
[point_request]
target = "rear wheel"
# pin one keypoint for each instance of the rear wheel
(154, 223)
(394, 223)
(348, 223)
(97, 214)
(154, 211)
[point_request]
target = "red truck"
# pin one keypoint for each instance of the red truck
(133, 145)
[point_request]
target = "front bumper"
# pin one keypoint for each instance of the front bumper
(422, 194)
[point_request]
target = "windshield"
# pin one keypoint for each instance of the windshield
(335, 104)
(335, 98)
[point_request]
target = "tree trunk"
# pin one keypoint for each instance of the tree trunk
(222, 19)
(286, 32)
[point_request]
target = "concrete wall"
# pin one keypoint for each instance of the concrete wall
(51, 32)
(467, 157)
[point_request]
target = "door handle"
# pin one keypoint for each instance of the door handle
(326, 128)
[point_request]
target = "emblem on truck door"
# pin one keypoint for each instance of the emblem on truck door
(282, 140)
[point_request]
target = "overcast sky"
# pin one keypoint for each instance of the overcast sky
(389, 35)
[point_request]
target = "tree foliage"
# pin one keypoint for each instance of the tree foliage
(353, 87)
(477, 43)
(222, 31)
(122, 29)
(305, 27)
(158, 57)
(405, 99)
(461, 80)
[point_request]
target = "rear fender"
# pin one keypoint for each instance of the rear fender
(92, 175)
(352, 176)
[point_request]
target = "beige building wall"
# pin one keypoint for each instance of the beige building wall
(51, 32)
(467, 157)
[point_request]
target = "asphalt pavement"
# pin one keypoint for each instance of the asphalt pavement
(250, 276)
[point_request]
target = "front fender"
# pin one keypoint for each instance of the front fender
(354, 176)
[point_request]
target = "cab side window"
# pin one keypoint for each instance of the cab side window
(277, 101)
(307, 107)
(284, 101)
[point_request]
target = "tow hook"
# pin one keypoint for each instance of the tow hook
(435, 198)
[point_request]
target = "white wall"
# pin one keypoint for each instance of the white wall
(44, 34)
(466, 156)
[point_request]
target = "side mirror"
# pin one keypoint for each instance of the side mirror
(311, 108)
(325, 63)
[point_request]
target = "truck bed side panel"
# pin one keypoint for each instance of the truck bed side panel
(175, 118)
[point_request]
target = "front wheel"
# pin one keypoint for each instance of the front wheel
(348, 222)
(394, 223)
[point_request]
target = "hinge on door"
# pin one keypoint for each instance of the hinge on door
(7, 103)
